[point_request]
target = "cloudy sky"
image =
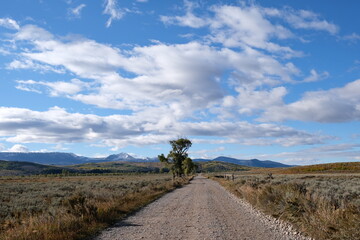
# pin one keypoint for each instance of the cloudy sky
(276, 80)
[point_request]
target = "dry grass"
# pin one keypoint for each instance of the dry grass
(67, 208)
(340, 167)
(325, 206)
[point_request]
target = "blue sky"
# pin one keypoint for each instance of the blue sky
(274, 80)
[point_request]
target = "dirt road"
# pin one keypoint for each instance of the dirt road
(201, 210)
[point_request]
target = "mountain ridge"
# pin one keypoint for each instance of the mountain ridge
(63, 158)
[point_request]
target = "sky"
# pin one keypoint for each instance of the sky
(273, 80)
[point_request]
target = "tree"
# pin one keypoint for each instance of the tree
(178, 159)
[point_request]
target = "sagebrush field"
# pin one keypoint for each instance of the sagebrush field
(72, 207)
(323, 206)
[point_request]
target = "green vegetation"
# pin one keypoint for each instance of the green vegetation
(73, 207)
(13, 168)
(178, 160)
(217, 166)
(121, 167)
(324, 206)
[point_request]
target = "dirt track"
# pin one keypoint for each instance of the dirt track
(201, 210)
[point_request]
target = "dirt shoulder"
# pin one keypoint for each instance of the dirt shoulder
(201, 210)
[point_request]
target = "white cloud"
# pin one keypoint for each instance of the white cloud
(315, 155)
(55, 88)
(207, 153)
(30, 64)
(334, 105)
(9, 23)
(33, 33)
(188, 20)
(112, 9)
(59, 126)
(165, 85)
(315, 76)
(159, 75)
(237, 27)
(76, 12)
(304, 19)
(250, 25)
(249, 100)
(18, 148)
(354, 37)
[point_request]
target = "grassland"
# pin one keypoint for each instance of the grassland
(341, 167)
(121, 167)
(73, 207)
(14, 168)
(324, 204)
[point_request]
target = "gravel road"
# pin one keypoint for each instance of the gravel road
(200, 210)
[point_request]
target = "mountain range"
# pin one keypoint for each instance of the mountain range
(248, 163)
(61, 158)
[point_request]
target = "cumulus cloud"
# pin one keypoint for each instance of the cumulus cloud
(250, 25)
(18, 148)
(112, 9)
(33, 33)
(170, 75)
(9, 23)
(170, 89)
(330, 106)
(235, 26)
(55, 88)
(59, 126)
(249, 101)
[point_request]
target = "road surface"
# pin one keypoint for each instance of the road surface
(200, 210)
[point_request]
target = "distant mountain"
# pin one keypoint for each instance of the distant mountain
(61, 158)
(124, 157)
(119, 157)
(249, 163)
(50, 158)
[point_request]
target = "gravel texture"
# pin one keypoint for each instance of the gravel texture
(200, 210)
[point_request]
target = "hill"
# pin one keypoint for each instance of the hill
(17, 168)
(249, 163)
(217, 166)
(14, 168)
(120, 167)
(61, 158)
(341, 167)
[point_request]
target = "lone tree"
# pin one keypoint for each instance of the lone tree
(178, 159)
